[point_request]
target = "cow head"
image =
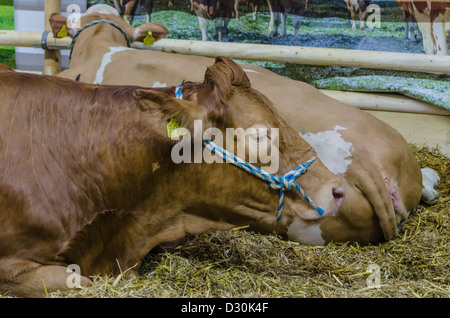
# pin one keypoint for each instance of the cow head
(61, 27)
(220, 109)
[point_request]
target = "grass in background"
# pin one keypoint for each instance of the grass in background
(7, 53)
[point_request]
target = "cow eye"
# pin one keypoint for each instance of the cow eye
(260, 136)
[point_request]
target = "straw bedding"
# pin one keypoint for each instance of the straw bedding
(239, 263)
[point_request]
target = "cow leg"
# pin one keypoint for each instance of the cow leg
(236, 9)
(430, 179)
(203, 23)
(372, 184)
(118, 6)
(410, 27)
(221, 26)
(425, 27)
(362, 19)
(428, 44)
(399, 208)
(406, 18)
(43, 279)
(440, 38)
(148, 6)
(271, 23)
(225, 28)
(218, 29)
(352, 16)
(284, 17)
(297, 21)
(272, 18)
(410, 31)
(275, 22)
(418, 38)
(255, 9)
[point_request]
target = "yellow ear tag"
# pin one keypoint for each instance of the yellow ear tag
(174, 130)
(62, 33)
(149, 39)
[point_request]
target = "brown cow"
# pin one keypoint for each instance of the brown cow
(357, 7)
(382, 177)
(433, 18)
(88, 174)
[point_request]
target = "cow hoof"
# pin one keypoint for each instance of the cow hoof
(430, 179)
(430, 196)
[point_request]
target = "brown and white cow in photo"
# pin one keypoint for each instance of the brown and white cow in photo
(220, 11)
(381, 175)
(88, 175)
(433, 18)
(357, 7)
(279, 11)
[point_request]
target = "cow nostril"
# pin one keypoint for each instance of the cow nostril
(338, 193)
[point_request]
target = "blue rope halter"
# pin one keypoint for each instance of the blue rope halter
(278, 182)
(94, 23)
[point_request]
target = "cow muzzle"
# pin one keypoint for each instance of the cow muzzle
(329, 197)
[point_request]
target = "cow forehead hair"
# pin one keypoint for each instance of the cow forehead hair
(102, 8)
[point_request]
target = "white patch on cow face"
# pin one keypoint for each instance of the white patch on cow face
(332, 149)
(107, 58)
(305, 233)
(158, 84)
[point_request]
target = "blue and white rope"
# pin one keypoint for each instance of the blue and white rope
(282, 183)
(179, 92)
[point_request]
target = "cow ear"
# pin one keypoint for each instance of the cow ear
(158, 31)
(219, 83)
(161, 105)
(59, 26)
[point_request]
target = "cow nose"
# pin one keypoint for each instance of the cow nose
(338, 194)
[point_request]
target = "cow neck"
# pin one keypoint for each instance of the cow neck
(95, 22)
(278, 182)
